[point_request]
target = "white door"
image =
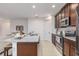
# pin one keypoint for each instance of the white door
(47, 30)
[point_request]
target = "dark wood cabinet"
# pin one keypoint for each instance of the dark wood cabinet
(26, 49)
(69, 48)
(62, 14)
(67, 11)
(57, 21)
(66, 48)
(72, 50)
(53, 38)
(73, 15)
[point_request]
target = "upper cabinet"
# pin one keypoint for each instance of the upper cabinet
(69, 10)
(73, 15)
(66, 10)
(62, 14)
(57, 21)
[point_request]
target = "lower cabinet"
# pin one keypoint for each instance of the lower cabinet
(53, 38)
(72, 51)
(66, 48)
(26, 49)
(69, 48)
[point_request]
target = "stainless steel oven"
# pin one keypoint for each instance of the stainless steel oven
(60, 42)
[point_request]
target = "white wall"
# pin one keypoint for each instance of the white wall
(15, 22)
(4, 27)
(42, 26)
(36, 25)
(47, 29)
(53, 25)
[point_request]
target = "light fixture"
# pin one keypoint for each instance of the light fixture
(34, 6)
(53, 6)
(49, 17)
(36, 15)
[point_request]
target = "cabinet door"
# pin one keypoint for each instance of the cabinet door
(72, 50)
(73, 14)
(53, 39)
(26, 49)
(55, 21)
(66, 48)
(58, 20)
(59, 15)
(62, 14)
(66, 11)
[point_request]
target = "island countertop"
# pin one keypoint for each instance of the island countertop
(27, 39)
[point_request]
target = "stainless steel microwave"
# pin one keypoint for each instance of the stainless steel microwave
(65, 22)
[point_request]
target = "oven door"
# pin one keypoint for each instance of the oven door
(58, 44)
(58, 39)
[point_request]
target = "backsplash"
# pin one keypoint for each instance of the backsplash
(65, 29)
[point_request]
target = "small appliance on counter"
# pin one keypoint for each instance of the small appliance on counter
(70, 33)
(33, 33)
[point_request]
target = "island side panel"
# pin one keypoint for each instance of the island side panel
(14, 48)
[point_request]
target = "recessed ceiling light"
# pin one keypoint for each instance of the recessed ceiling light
(49, 17)
(34, 6)
(53, 6)
(36, 15)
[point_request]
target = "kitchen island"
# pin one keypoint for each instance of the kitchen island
(26, 46)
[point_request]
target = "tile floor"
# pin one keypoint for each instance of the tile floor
(46, 48)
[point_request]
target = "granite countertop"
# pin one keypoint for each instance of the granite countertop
(71, 38)
(27, 39)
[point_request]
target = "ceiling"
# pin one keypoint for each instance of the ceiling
(24, 10)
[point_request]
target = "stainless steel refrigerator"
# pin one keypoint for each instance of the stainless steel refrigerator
(77, 31)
